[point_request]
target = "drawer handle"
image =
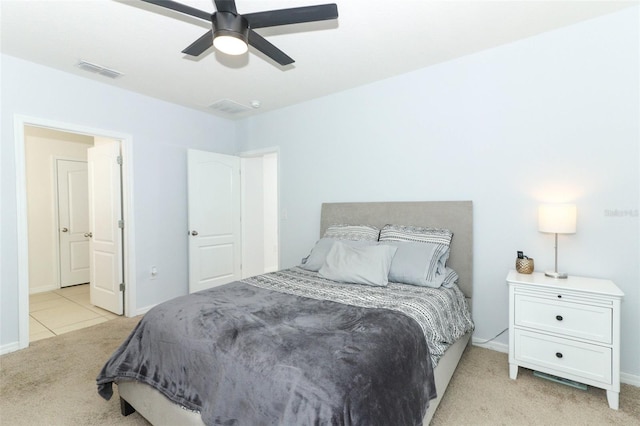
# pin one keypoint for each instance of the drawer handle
(559, 296)
(559, 354)
(559, 317)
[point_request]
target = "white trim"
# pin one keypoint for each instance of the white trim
(260, 152)
(494, 346)
(22, 232)
(630, 379)
(45, 289)
(9, 347)
(56, 221)
(144, 310)
(19, 121)
(126, 151)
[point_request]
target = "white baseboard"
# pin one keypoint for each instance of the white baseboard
(142, 311)
(627, 378)
(630, 379)
(9, 347)
(43, 289)
(494, 346)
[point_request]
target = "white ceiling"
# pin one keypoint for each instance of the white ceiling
(370, 41)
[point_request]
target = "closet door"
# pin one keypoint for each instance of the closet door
(214, 219)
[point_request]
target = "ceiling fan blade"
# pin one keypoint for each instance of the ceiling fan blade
(294, 15)
(200, 45)
(226, 6)
(182, 8)
(260, 43)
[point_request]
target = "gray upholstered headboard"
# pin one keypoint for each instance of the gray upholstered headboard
(456, 216)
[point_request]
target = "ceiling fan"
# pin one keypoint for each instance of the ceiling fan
(232, 32)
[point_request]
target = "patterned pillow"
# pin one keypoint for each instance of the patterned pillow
(422, 253)
(352, 232)
(450, 278)
(416, 234)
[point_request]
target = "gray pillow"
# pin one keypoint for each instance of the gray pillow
(450, 277)
(359, 265)
(417, 263)
(318, 254)
(438, 240)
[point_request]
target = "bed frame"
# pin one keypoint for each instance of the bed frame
(454, 215)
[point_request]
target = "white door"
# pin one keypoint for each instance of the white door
(105, 212)
(73, 221)
(214, 219)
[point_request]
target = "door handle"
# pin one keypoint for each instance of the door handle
(88, 234)
(194, 233)
(65, 229)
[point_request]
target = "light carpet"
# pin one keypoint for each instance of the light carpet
(53, 383)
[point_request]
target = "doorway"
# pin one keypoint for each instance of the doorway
(260, 223)
(22, 126)
(57, 208)
(233, 216)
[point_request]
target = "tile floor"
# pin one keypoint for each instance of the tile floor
(63, 310)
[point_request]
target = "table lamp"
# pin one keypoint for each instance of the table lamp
(557, 219)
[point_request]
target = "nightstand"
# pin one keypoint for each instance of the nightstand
(569, 328)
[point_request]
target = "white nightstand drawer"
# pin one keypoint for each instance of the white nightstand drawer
(577, 320)
(577, 359)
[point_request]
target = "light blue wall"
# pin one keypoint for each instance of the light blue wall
(553, 118)
(550, 118)
(161, 134)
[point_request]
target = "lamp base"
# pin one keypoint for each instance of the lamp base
(554, 274)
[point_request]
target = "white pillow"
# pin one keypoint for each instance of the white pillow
(359, 265)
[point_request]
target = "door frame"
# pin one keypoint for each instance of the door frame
(126, 142)
(261, 153)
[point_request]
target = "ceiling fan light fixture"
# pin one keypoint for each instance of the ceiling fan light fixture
(231, 44)
(230, 33)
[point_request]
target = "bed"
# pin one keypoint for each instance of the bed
(152, 404)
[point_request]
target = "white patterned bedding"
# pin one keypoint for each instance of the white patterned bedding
(442, 313)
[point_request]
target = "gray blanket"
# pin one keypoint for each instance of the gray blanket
(244, 355)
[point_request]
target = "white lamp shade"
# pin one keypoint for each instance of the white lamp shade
(557, 218)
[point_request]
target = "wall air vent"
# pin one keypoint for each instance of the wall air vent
(98, 69)
(229, 107)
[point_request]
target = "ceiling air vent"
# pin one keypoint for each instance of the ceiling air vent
(97, 69)
(229, 107)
